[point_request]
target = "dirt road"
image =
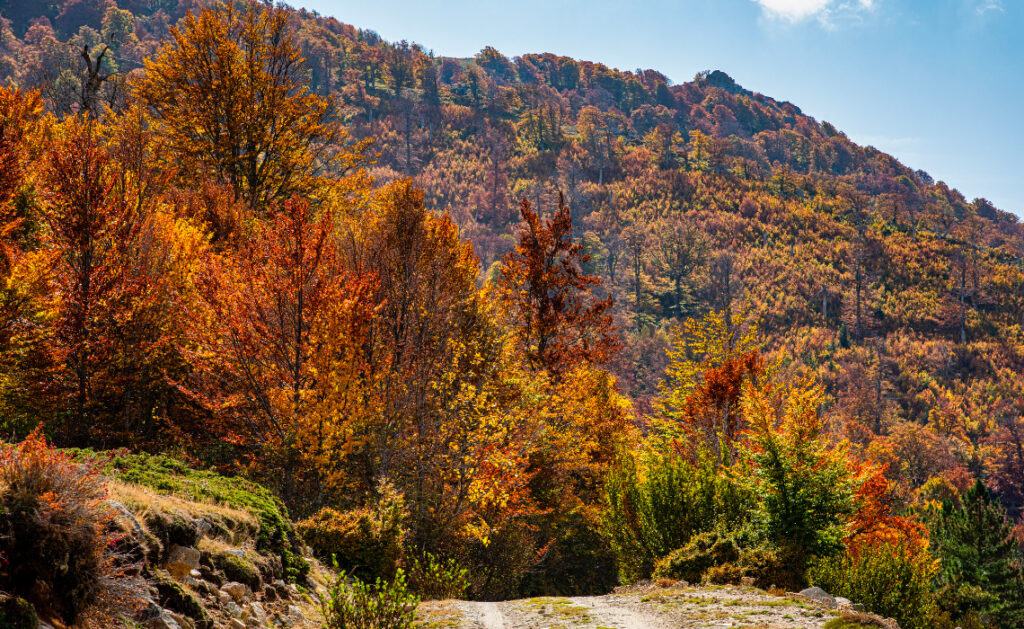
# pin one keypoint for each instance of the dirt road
(647, 607)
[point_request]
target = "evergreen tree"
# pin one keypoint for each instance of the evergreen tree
(981, 561)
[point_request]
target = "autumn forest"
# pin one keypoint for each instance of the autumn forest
(543, 325)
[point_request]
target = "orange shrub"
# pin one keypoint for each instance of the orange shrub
(53, 527)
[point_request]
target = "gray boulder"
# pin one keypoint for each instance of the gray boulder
(819, 596)
(162, 621)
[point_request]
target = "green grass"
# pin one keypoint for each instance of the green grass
(560, 609)
(839, 623)
(167, 475)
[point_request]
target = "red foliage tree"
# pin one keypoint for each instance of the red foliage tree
(560, 320)
(278, 344)
(91, 231)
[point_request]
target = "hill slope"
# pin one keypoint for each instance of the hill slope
(903, 297)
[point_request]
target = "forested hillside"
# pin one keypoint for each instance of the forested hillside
(275, 243)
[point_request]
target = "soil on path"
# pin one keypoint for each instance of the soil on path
(647, 607)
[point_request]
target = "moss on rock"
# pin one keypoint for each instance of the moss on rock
(17, 613)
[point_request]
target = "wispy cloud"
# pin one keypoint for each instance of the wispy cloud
(827, 12)
(986, 6)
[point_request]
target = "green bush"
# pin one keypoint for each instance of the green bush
(890, 580)
(435, 578)
(366, 542)
(53, 527)
(702, 552)
(655, 506)
(353, 604)
(726, 557)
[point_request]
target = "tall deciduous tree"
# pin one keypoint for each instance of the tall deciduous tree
(452, 430)
(229, 96)
(91, 231)
(560, 321)
(24, 272)
(279, 344)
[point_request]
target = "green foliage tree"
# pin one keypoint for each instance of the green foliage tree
(802, 480)
(657, 502)
(981, 560)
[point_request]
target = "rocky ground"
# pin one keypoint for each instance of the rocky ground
(192, 561)
(653, 607)
(197, 586)
(204, 551)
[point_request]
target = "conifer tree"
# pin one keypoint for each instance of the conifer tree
(981, 560)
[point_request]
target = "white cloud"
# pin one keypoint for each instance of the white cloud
(990, 5)
(824, 10)
(793, 10)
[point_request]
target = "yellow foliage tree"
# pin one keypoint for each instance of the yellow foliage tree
(228, 96)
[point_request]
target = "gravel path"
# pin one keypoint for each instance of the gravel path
(647, 607)
(489, 616)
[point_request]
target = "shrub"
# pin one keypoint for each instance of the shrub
(354, 604)
(53, 522)
(701, 553)
(365, 542)
(436, 578)
(657, 505)
(17, 613)
(891, 580)
(726, 557)
(770, 566)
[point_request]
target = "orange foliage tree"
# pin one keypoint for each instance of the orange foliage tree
(23, 271)
(454, 426)
(278, 339)
(91, 233)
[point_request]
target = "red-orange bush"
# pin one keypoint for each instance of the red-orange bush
(55, 547)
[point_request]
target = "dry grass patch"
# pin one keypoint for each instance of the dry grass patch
(231, 525)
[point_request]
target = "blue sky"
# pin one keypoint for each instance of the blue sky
(937, 83)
